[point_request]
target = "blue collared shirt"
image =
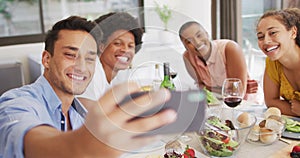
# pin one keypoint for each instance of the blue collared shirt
(32, 105)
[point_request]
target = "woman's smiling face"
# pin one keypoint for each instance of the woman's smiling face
(273, 38)
(119, 50)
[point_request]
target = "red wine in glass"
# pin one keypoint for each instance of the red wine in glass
(173, 74)
(232, 92)
(232, 101)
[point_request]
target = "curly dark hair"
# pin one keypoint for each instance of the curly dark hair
(72, 23)
(114, 21)
(288, 17)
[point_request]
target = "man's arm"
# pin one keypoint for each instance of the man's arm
(235, 63)
(45, 141)
(190, 69)
(107, 129)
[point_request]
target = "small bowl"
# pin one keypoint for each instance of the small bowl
(224, 142)
(266, 133)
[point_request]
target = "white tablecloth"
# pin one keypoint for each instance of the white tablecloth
(278, 149)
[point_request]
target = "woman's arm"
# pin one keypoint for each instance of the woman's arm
(235, 63)
(272, 96)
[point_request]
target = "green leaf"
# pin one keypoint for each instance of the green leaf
(164, 13)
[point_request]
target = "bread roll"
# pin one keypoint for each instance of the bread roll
(267, 136)
(272, 111)
(277, 118)
(254, 133)
(274, 125)
(244, 119)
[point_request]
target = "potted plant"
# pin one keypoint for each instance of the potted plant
(164, 13)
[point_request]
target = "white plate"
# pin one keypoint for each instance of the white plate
(291, 135)
(158, 153)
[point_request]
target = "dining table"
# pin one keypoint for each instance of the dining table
(279, 149)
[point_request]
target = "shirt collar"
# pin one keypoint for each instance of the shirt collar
(212, 58)
(53, 101)
(49, 94)
(81, 110)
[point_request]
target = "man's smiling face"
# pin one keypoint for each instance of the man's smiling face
(72, 65)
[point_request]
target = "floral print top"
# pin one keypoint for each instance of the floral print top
(275, 71)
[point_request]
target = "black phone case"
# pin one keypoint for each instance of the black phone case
(189, 105)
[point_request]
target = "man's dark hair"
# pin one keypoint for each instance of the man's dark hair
(186, 25)
(114, 21)
(72, 23)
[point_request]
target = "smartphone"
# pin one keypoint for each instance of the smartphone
(190, 107)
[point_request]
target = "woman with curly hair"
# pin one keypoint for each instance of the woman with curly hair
(122, 39)
(279, 38)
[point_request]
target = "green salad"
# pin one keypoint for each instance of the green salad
(211, 99)
(218, 141)
(292, 125)
(217, 144)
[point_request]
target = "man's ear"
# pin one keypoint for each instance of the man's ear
(294, 32)
(46, 57)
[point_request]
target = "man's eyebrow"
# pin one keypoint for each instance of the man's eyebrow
(198, 32)
(71, 48)
(92, 52)
(187, 39)
(77, 49)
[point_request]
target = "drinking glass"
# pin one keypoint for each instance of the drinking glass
(232, 92)
(173, 74)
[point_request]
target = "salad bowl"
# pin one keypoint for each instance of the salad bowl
(225, 131)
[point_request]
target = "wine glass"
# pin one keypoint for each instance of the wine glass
(173, 74)
(232, 92)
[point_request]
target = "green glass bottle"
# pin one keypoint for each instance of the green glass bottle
(167, 83)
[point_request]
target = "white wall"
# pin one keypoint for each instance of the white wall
(185, 10)
(21, 53)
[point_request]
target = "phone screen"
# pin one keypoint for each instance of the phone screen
(190, 107)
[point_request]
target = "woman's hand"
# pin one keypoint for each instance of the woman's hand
(252, 86)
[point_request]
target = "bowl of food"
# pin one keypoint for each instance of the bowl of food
(225, 131)
(268, 129)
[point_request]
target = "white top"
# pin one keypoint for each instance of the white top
(98, 85)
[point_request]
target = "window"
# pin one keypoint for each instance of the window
(26, 21)
(251, 11)
(237, 20)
